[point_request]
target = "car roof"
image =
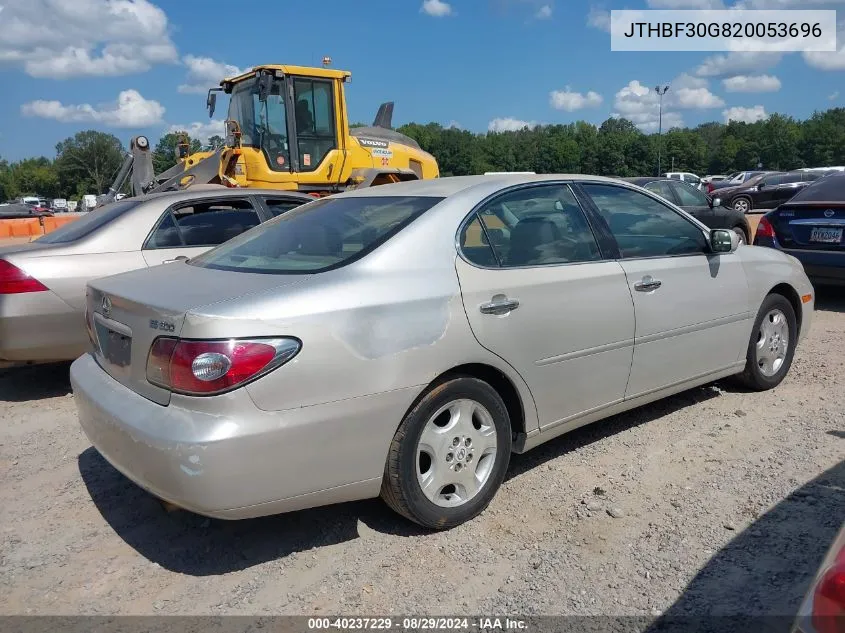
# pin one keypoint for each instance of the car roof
(643, 180)
(451, 185)
(215, 191)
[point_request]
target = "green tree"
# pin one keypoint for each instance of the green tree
(88, 162)
(216, 142)
(165, 154)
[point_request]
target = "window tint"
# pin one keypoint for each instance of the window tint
(318, 236)
(661, 188)
(277, 206)
(791, 178)
(773, 181)
(89, 223)
(475, 244)
(642, 226)
(533, 227)
(830, 188)
(203, 224)
(692, 178)
(689, 196)
(314, 121)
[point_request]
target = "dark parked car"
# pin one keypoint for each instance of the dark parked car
(733, 180)
(811, 226)
(766, 191)
(698, 204)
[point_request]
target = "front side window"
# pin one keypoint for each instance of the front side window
(314, 106)
(318, 236)
(534, 226)
(203, 224)
(689, 196)
(643, 226)
(263, 124)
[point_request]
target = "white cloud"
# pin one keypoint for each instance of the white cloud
(544, 12)
(752, 83)
(599, 19)
(829, 60)
(571, 101)
(130, 110)
(509, 124)
(62, 39)
(454, 125)
(201, 130)
(205, 73)
(737, 63)
(744, 115)
(833, 96)
(640, 104)
(436, 8)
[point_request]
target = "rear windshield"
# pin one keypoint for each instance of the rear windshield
(89, 223)
(318, 236)
(827, 189)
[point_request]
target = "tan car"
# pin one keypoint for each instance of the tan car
(42, 283)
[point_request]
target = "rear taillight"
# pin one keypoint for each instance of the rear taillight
(211, 367)
(13, 280)
(829, 598)
(765, 229)
(710, 187)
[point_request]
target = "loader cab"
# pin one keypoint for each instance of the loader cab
(293, 119)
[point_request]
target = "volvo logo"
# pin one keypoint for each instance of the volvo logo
(829, 213)
(106, 307)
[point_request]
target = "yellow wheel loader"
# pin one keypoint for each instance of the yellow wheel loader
(287, 128)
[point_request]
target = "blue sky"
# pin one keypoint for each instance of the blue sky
(142, 66)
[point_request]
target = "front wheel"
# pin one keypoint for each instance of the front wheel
(449, 455)
(742, 204)
(772, 345)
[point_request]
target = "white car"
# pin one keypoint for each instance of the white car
(684, 176)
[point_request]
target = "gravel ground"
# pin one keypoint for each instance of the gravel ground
(713, 501)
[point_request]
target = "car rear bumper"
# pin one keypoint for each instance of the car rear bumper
(38, 327)
(822, 267)
(223, 457)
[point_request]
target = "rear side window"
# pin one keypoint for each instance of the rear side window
(277, 206)
(91, 222)
(206, 223)
(661, 188)
(535, 226)
(318, 236)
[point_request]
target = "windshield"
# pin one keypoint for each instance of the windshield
(263, 125)
(318, 236)
(831, 188)
(89, 223)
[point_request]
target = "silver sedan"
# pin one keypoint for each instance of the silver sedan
(404, 340)
(42, 283)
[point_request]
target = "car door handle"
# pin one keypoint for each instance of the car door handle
(647, 284)
(499, 305)
(181, 258)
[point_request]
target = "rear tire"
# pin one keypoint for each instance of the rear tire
(449, 455)
(771, 346)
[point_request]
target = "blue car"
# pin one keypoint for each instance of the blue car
(810, 226)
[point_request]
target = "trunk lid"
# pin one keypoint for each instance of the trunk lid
(127, 312)
(812, 226)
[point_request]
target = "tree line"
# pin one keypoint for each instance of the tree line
(89, 161)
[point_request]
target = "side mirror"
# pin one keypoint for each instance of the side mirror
(211, 103)
(716, 202)
(723, 241)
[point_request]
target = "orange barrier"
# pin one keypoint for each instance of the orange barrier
(33, 227)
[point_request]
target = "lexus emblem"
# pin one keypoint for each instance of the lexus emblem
(106, 307)
(829, 213)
